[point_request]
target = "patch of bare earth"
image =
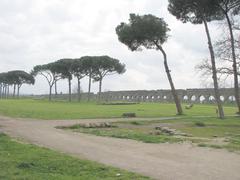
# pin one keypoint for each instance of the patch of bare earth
(159, 161)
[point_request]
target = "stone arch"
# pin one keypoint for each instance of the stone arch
(193, 98)
(185, 98)
(222, 98)
(211, 98)
(202, 98)
(231, 98)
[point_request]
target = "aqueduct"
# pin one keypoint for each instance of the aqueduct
(188, 95)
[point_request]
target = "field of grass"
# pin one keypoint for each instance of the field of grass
(211, 132)
(42, 109)
(24, 161)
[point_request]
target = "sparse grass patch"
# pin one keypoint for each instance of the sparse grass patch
(201, 131)
(234, 143)
(134, 134)
(215, 146)
(24, 161)
(136, 123)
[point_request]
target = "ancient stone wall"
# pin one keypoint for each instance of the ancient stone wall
(188, 95)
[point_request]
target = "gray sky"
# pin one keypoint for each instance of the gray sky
(41, 31)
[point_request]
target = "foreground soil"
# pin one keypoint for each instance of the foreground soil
(159, 161)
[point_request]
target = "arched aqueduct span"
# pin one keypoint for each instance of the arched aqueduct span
(188, 95)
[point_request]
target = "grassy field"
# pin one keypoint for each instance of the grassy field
(210, 132)
(41, 109)
(24, 161)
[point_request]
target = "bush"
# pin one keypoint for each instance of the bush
(200, 124)
(127, 115)
(135, 123)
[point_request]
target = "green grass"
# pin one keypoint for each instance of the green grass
(24, 161)
(42, 109)
(213, 127)
(202, 131)
(128, 133)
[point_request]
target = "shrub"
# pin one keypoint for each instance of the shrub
(136, 123)
(126, 115)
(200, 124)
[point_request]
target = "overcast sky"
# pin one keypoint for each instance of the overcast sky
(41, 31)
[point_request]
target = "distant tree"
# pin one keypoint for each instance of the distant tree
(8, 83)
(3, 81)
(16, 78)
(55, 89)
(89, 65)
(105, 65)
(12, 79)
(22, 78)
(200, 12)
(64, 67)
(1, 85)
(224, 55)
(79, 71)
(229, 8)
(49, 72)
(150, 32)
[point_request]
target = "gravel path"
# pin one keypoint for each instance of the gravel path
(159, 161)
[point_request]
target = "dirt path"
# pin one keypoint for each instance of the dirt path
(159, 161)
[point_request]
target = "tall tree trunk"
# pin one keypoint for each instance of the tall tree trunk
(14, 90)
(79, 89)
(100, 90)
(55, 85)
(173, 90)
(0, 90)
(69, 90)
(3, 91)
(7, 91)
(89, 86)
(18, 91)
(50, 93)
(235, 72)
(214, 72)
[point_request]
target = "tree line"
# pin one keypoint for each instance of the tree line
(151, 32)
(94, 67)
(16, 79)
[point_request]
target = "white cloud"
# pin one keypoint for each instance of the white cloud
(36, 32)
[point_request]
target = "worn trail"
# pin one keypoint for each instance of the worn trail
(159, 161)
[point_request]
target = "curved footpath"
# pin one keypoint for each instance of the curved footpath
(159, 161)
